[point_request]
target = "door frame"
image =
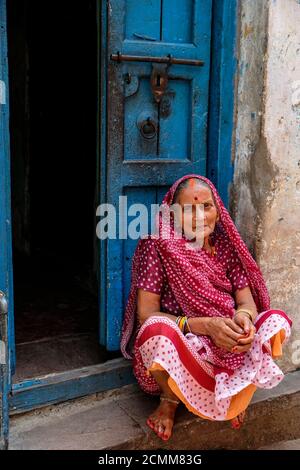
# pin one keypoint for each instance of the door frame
(58, 387)
(224, 61)
(6, 281)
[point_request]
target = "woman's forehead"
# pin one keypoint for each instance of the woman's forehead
(195, 194)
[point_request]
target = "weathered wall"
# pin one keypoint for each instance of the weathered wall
(266, 187)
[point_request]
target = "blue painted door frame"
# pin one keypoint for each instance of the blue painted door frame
(194, 118)
(6, 286)
(221, 96)
(72, 384)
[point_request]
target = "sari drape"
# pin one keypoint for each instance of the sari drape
(211, 381)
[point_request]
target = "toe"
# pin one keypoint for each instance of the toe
(152, 418)
(159, 429)
(235, 424)
(168, 430)
(161, 435)
(150, 423)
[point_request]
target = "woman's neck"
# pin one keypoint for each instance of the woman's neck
(206, 244)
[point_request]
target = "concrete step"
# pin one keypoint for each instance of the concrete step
(283, 445)
(117, 420)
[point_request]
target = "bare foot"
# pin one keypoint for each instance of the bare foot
(237, 422)
(162, 420)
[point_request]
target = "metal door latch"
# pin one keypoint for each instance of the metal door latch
(3, 304)
(159, 74)
(159, 80)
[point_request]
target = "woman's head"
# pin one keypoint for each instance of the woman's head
(196, 194)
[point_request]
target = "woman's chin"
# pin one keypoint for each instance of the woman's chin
(196, 240)
(207, 231)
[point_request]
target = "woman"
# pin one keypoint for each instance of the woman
(198, 323)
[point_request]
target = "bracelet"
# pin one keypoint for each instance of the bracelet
(182, 322)
(162, 397)
(188, 326)
(248, 313)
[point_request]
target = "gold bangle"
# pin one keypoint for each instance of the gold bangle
(187, 324)
(182, 323)
(248, 312)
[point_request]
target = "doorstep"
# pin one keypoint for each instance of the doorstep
(116, 419)
(294, 444)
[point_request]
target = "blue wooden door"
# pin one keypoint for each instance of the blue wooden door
(148, 143)
(7, 347)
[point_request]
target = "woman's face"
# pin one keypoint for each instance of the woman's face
(201, 205)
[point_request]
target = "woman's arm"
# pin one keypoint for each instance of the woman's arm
(243, 299)
(222, 330)
(148, 304)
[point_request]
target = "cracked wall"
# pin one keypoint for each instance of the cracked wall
(265, 199)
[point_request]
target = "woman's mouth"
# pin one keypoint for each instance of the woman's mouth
(194, 227)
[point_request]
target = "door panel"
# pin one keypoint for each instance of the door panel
(137, 164)
(168, 21)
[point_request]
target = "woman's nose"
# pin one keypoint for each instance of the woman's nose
(199, 221)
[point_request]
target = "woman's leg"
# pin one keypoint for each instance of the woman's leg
(162, 420)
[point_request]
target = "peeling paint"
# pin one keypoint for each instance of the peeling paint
(248, 29)
(296, 93)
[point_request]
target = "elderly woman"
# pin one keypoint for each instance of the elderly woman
(198, 323)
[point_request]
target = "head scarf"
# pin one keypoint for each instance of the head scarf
(199, 285)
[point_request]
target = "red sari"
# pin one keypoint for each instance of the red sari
(212, 382)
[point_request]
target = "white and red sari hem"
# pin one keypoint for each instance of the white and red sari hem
(208, 390)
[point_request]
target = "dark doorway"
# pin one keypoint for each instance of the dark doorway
(53, 102)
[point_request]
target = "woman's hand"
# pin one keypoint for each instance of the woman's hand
(224, 332)
(244, 343)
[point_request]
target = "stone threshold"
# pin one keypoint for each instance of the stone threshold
(116, 419)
